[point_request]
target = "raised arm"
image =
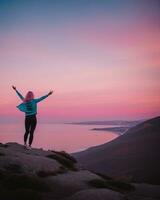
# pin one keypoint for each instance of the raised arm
(43, 97)
(18, 93)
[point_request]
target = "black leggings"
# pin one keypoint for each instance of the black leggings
(30, 125)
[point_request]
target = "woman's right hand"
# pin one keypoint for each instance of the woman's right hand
(50, 92)
(13, 87)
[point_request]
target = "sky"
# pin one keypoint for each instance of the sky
(101, 58)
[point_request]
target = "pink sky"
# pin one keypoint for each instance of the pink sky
(99, 67)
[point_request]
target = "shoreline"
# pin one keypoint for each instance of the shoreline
(116, 130)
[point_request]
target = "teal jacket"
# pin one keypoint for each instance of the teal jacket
(30, 107)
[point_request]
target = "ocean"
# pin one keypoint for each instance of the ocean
(60, 137)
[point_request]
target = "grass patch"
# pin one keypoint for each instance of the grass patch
(102, 175)
(20, 194)
(66, 155)
(112, 184)
(4, 145)
(68, 163)
(15, 168)
(2, 154)
(16, 181)
(2, 174)
(44, 174)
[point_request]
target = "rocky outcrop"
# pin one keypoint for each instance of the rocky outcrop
(50, 175)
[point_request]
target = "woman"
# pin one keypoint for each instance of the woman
(29, 106)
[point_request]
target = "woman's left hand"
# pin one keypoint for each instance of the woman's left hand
(14, 87)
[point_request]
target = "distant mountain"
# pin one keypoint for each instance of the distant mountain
(135, 154)
(113, 122)
(120, 129)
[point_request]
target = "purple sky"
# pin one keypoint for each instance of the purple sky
(102, 58)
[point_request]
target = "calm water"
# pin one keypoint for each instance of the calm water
(70, 138)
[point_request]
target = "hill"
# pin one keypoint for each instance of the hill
(134, 155)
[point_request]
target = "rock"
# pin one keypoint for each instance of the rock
(50, 175)
(17, 159)
(96, 194)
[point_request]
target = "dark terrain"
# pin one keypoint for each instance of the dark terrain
(134, 155)
(124, 169)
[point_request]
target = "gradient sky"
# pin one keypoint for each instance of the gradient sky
(102, 58)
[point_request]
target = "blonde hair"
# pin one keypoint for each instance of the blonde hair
(29, 96)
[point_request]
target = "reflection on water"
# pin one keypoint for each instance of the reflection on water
(70, 138)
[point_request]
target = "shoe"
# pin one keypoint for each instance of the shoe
(29, 147)
(25, 146)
